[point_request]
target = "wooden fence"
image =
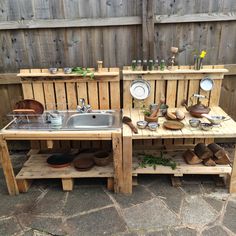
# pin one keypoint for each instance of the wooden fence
(46, 33)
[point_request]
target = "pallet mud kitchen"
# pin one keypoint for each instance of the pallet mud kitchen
(66, 111)
(189, 118)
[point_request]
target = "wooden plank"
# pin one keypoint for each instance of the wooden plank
(70, 23)
(36, 167)
(71, 95)
(104, 95)
(38, 92)
(93, 95)
(115, 95)
(9, 78)
(127, 165)
(60, 96)
(67, 184)
(82, 91)
(232, 186)
(50, 102)
(127, 98)
(171, 93)
(197, 17)
(24, 185)
(27, 90)
(7, 168)
(215, 93)
(117, 162)
(148, 7)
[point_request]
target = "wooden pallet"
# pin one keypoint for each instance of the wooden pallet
(62, 92)
(174, 85)
(182, 167)
(36, 167)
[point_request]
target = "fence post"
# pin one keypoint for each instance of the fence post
(148, 9)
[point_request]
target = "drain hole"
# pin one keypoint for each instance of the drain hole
(94, 116)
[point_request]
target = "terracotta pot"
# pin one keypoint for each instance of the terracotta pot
(151, 119)
(102, 158)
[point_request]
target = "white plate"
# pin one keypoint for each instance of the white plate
(206, 84)
(140, 89)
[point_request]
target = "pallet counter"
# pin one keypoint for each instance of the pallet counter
(36, 167)
(175, 86)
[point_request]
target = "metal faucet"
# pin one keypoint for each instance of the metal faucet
(82, 108)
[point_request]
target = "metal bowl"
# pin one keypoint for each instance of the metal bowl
(140, 89)
(153, 126)
(142, 124)
(194, 122)
(206, 126)
(67, 70)
(53, 70)
(215, 120)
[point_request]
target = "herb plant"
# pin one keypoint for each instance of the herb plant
(154, 161)
(83, 71)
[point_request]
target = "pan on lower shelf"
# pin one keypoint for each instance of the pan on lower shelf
(84, 163)
(59, 160)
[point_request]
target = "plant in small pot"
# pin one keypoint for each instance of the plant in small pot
(151, 116)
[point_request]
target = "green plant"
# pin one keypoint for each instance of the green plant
(154, 161)
(83, 71)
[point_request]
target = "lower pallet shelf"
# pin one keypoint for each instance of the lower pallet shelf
(182, 167)
(36, 167)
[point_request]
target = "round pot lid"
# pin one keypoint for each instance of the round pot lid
(206, 84)
(140, 89)
(59, 160)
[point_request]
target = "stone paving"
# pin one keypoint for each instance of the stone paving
(155, 208)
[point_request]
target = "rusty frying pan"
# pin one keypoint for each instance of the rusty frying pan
(28, 106)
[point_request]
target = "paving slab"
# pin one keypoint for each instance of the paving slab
(216, 204)
(85, 199)
(197, 212)
(150, 215)
(192, 188)
(157, 233)
(46, 225)
(102, 222)
(9, 226)
(51, 203)
(13, 205)
(172, 196)
(183, 232)
(139, 195)
(215, 231)
(230, 216)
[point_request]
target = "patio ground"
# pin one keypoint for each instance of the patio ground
(199, 207)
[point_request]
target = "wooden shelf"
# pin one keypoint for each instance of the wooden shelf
(45, 73)
(36, 167)
(182, 167)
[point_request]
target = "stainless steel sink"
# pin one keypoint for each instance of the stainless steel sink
(96, 120)
(72, 120)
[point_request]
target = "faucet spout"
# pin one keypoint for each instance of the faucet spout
(82, 108)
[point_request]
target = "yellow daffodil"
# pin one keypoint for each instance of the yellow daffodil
(203, 54)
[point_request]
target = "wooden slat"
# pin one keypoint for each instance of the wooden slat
(27, 90)
(70, 23)
(127, 98)
(104, 95)
(215, 93)
(71, 95)
(50, 102)
(93, 95)
(60, 96)
(39, 92)
(197, 17)
(171, 93)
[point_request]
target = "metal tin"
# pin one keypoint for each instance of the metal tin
(142, 124)
(194, 122)
(53, 70)
(140, 89)
(153, 126)
(67, 70)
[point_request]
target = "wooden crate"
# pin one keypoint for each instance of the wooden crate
(62, 92)
(175, 86)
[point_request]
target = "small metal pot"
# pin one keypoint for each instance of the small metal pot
(53, 70)
(67, 70)
(194, 122)
(142, 124)
(206, 126)
(153, 126)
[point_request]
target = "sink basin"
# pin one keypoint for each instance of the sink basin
(72, 120)
(92, 120)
